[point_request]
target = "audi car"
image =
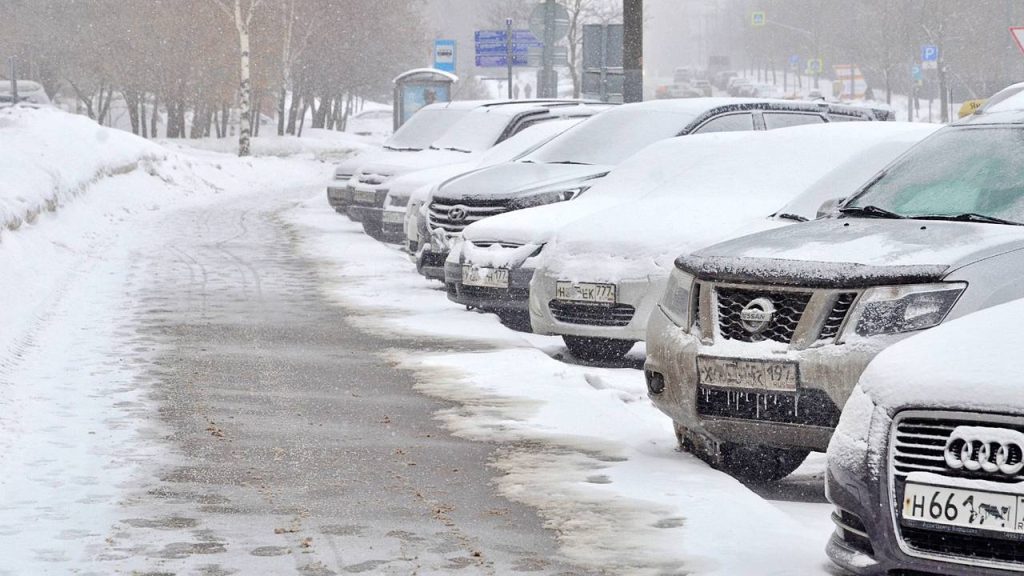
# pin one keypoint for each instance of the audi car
(758, 341)
(926, 467)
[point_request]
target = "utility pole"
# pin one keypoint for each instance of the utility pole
(633, 50)
(509, 53)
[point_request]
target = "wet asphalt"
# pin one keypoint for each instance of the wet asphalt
(298, 447)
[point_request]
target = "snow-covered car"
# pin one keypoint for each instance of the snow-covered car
(28, 93)
(925, 468)
(473, 134)
(505, 235)
(372, 122)
(403, 217)
(602, 277)
(759, 340)
(426, 125)
(568, 165)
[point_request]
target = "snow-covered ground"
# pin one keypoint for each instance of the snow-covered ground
(77, 425)
(580, 443)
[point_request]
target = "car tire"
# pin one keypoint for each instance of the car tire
(760, 464)
(597, 349)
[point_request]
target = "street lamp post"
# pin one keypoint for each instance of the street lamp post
(633, 50)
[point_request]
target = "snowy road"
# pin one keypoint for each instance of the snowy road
(244, 383)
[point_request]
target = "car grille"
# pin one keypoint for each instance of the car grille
(442, 216)
(852, 531)
(592, 314)
(482, 293)
(835, 319)
(789, 308)
(917, 444)
(489, 244)
(808, 407)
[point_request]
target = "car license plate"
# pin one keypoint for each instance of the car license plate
(952, 508)
(394, 217)
(365, 196)
(748, 374)
(585, 292)
(485, 277)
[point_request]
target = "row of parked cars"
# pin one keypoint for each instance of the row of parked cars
(806, 277)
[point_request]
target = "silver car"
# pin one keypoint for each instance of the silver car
(758, 341)
(926, 466)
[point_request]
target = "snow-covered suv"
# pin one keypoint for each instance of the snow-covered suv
(758, 341)
(925, 469)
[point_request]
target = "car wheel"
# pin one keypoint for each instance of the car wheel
(759, 464)
(597, 349)
(374, 230)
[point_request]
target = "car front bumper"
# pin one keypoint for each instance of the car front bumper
(635, 299)
(515, 297)
(827, 375)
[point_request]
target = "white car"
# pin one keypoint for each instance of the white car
(475, 133)
(372, 122)
(407, 194)
(925, 467)
(601, 277)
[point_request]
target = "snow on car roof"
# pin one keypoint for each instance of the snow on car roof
(694, 191)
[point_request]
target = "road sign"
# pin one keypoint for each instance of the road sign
(758, 19)
(929, 53)
(794, 62)
(538, 20)
(1018, 36)
(561, 56)
(492, 49)
(917, 75)
(814, 66)
(444, 55)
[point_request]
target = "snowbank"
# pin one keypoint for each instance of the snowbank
(327, 145)
(48, 157)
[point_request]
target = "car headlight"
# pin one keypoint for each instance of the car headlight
(546, 198)
(899, 309)
(676, 300)
(400, 201)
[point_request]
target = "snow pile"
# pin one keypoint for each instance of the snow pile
(48, 157)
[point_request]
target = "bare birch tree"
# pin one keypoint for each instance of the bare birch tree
(243, 25)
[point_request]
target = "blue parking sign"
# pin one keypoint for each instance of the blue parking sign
(929, 53)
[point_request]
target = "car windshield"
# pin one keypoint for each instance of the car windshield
(966, 173)
(612, 137)
(527, 140)
(425, 127)
(474, 132)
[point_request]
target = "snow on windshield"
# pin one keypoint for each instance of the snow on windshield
(474, 132)
(425, 127)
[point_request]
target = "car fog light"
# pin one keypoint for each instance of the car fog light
(655, 382)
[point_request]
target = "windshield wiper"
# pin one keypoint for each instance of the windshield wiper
(970, 217)
(571, 162)
(456, 149)
(789, 216)
(870, 212)
(402, 148)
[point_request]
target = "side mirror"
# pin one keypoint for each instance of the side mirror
(829, 208)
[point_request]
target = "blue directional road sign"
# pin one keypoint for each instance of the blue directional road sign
(492, 49)
(794, 62)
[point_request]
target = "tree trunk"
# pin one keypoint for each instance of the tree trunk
(280, 109)
(225, 115)
(293, 110)
(131, 100)
(156, 115)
